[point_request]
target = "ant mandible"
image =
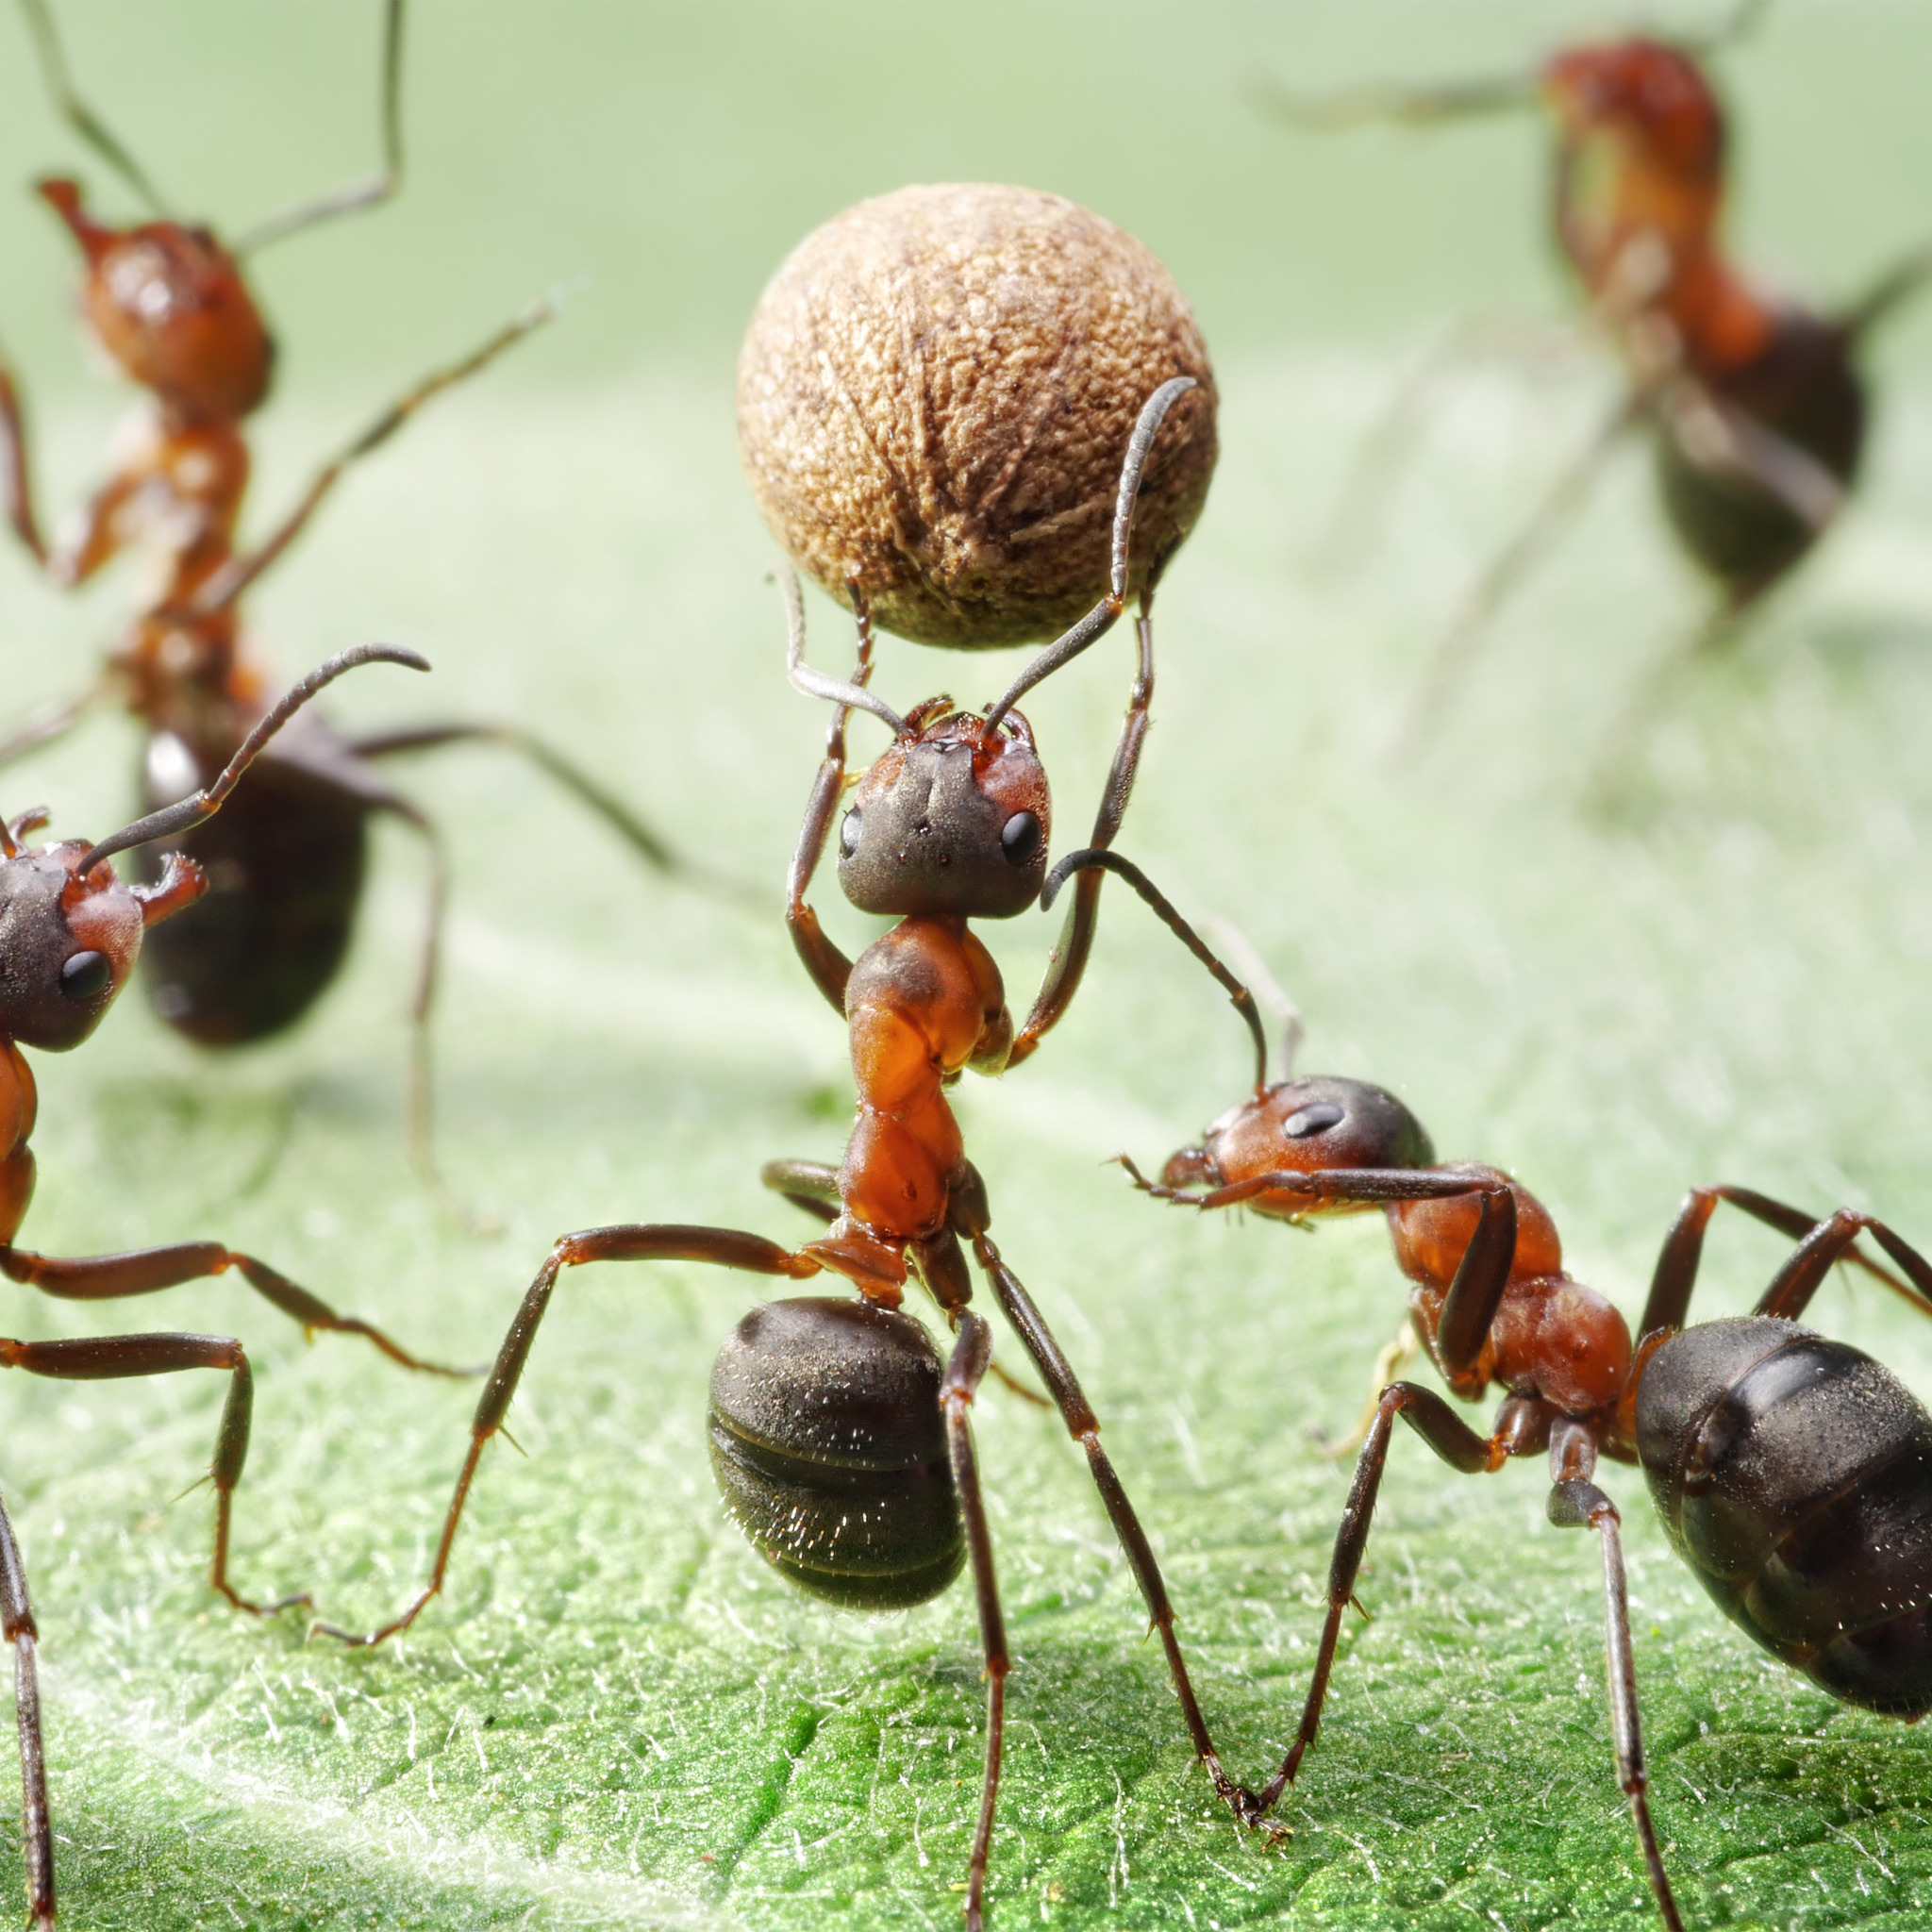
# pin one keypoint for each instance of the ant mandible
(1818, 1555)
(168, 304)
(839, 1439)
(1756, 408)
(69, 934)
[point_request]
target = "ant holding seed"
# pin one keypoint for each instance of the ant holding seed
(167, 303)
(839, 1437)
(1753, 403)
(69, 934)
(1792, 1472)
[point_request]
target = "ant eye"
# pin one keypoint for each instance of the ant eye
(1019, 838)
(848, 833)
(86, 975)
(1314, 1120)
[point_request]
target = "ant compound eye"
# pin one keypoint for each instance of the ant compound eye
(1314, 1120)
(86, 975)
(848, 833)
(1020, 838)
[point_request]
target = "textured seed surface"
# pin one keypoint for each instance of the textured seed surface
(934, 396)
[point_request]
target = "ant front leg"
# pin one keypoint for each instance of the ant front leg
(147, 1271)
(1462, 1449)
(723, 1247)
(114, 1358)
(1676, 1276)
(37, 1830)
(1084, 1427)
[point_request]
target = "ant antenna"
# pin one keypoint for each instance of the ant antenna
(1414, 107)
(1268, 990)
(1101, 618)
(815, 684)
(1098, 858)
(190, 811)
(370, 192)
(76, 112)
(1742, 21)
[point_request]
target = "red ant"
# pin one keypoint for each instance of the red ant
(69, 934)
(1789, 1470)
(168, 304)
(1755, 407)
(839, 1437)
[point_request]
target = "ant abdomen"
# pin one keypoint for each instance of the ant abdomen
(1794, 1475)
(285, 863)
(829, 1447)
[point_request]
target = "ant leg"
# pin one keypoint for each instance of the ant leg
(1068, 962)
(1561, 502)
(578, 783)
(1578, 1505)
(49, 722)
(16, 473)
(223, 587)
(1794, 1283)
(377, 188)
(113, 1357)
(1084, 1427)
(1458, 1445)
(723, 1247)
(812, 1185)
(1397, 1353)
(146, 1271)
(972, 1358)
(1898, 284)
(1676, 1265)
(17, 1628)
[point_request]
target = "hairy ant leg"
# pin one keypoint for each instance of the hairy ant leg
(37, 1830)
(722, 1247)
(1831, 1238)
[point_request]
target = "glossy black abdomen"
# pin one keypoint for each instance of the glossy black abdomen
(285, 858)
(1805, 389)
(829, 1448)
(1795, 1476)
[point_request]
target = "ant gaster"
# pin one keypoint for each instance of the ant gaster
(69, 934)
(1791, 1471)
(167, 303)
(839, 1437)
(1754, 406)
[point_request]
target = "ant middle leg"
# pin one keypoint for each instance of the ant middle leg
(722, 1247)
(1677, 1262)
(147, 1271)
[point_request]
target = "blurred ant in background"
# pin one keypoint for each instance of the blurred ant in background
(839, 1439)
(167, 303)
(69, 934)
(1793, 1474)
(1754, 404)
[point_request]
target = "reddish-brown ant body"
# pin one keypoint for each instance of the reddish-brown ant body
(1755, 403)
(70, 935)
(167, 303)
(1791, 1471)
(839, 1437)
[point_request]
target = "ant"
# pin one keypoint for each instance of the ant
(1754, 404)
(839, 1437)
(1789, 1470)
(168, 304)
(69, 934)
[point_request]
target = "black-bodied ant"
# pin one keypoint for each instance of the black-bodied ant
(1754, 404)
(838, 1436)
(286, 861)
(69, 934)
(1793, 1474)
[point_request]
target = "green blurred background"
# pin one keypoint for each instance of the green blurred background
(617, 1716)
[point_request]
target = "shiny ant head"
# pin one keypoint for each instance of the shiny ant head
(953, 819)
(68, 942)
(1303, 1126)
(169, 305)
(1652, 99)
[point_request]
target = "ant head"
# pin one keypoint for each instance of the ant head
(1652, 97)
(953, 819)
(169, 305)
(69, 940)
(1303, 1126)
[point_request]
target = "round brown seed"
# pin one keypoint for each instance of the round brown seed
(934, 396)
